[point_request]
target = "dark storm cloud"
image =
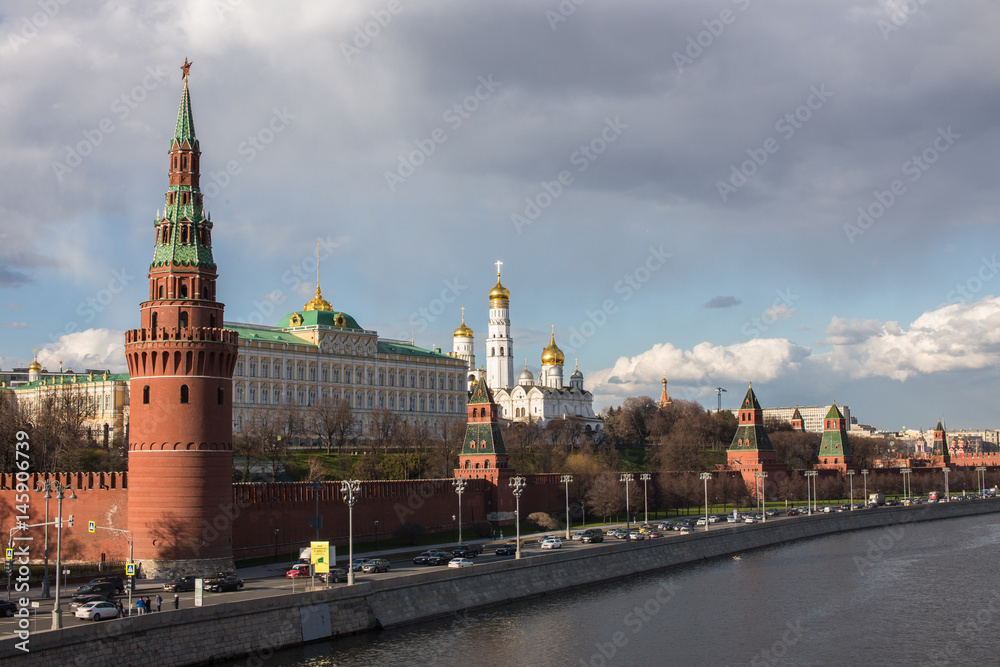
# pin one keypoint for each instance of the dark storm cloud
(722, 302)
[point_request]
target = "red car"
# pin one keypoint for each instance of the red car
(298, 571)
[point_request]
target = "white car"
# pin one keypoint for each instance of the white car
(701, 522)
(552, 543)
(749, 519)
(460, 562)
(713, 519)
(95, 611)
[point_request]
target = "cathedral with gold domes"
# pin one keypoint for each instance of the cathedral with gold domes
(524, 398)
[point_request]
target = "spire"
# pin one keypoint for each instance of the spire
(664, 396)
(185, 121)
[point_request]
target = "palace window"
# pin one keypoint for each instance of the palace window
(253, 369)
(263, 368)
(336, 374)
(277, 370)
(253, 395)
(324, 374)
(263, 395)
(312, 373)
(381, 378)
(359, 376)
(302, 372)
(239, 368)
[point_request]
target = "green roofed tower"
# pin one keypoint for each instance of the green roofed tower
(483, 454)
(939, 454)
(750, 434)
(835, 447)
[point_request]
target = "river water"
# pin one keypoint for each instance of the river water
(918, 594)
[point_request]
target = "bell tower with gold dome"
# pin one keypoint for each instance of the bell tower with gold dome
(499, 344)
(553, 360)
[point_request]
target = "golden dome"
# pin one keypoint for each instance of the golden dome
(499, 292)
(35, 366)
(463, 331)
(552, 355)
(318, 302)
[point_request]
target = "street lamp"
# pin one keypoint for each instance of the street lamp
(45, 576)
(761, 475)
(810, 474)
(350, 489)
(705, 476)
(645, 477)
(566, 479)
(981, 478)
(627, 477)
(864, 473)
(946, 470)
(57, 490)
(905, 472)
(276, 531)
(459, 483)
(376, 534)
(850, 475)
(517, 488)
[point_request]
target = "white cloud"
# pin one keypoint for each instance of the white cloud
(93, 348)
(778, 313)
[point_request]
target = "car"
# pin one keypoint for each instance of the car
(749, 519)
(357, 563)
(578, 536)
(552, 543)
(104, 588)
(224, 582)
(375, 565)
(95, 611)
(180, 584)
(80, 600)
(771, 513)
(117, 581)
(432, 558)
(730, 519)
(713, 518)
(636, 535)
(654, 534)
(7, 608)
(460, 562)
(335, 575)
(792, 512)
(508, 549)
(686, 530)
(701, 522)
(593, 537)
(299, 570)
(466, 551)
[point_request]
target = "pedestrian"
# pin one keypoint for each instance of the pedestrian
(177, 601)
(148, 605)
(138, 606)
(159, 601)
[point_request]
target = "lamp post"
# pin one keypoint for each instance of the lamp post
(850, 475)
(316, 488)
(946, 471)
(350, 489)
(376, 534)
(810, 474)
(276, 531)
(45, 576)
(627, 477)
(57, 489)
(566, 479)
(705, 476)
(517, 488)
(905, 472)
(761, 475)
(864, 473)
(645, 477)
(981, 478)
(459, 484)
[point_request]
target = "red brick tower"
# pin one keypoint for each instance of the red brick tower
(483, 454)
(181, 364)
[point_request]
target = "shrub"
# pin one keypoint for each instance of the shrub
(542, 521)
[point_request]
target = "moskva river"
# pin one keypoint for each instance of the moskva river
(918, 594)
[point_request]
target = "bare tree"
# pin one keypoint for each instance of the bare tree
(383, 423)
(334, 422)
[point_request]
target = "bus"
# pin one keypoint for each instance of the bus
(933, 497)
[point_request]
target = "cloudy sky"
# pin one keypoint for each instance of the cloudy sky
(797, 194)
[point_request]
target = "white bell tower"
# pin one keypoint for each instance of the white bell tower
(499, 344)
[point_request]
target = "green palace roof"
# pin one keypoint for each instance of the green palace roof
(323, 318)
(76, 379)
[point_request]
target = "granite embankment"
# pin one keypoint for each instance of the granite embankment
(258, 627)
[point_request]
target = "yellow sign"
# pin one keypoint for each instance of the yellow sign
(91, 526)
(10, 554)
(320, 556)
(129, 569)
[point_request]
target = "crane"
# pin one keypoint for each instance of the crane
(719, 391)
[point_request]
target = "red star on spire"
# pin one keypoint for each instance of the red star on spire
(186, 69)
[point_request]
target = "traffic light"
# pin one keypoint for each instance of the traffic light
(70, 522)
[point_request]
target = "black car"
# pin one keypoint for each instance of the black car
(105, 588)
(336, 575)
(592, 538)
(432, 558)
(80, 600)
(7, 608)
(228, 582)
(508, 549)
(180, 584)
(466, 551)
(117, 581)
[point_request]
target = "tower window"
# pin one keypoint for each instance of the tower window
(145, 395)
(184, 319)
(222, 395)
(184, 291)
(184, 393)
(160, 292)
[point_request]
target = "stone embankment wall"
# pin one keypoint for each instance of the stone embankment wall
(259, 627)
